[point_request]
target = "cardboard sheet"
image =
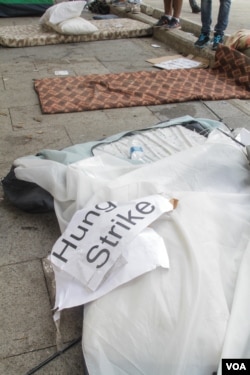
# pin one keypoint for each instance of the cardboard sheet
(179, 62)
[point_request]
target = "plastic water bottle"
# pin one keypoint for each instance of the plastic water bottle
(136, 152)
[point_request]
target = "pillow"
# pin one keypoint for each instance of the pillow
(61, 12)
(75, 26)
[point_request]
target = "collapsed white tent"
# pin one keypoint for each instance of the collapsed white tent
(181, 320)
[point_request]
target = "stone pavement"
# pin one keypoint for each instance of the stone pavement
(28, 334)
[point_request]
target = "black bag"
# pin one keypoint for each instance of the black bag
(26, 196)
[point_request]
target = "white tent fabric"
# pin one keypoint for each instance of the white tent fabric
(183, 320)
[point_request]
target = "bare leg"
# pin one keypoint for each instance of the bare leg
(177, 5)
(168, 7)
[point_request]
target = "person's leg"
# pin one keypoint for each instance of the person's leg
(177, 6)
(223, 17)
(174, 23)
(168, 10)
(222, 22)
(168, 7)
(206, 21)
(206, 16)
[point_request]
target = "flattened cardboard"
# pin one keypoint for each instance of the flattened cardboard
(204, 63)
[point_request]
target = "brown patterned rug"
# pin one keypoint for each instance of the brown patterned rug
(230, 78)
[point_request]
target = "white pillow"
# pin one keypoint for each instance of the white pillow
(75, 26)
(61, 12)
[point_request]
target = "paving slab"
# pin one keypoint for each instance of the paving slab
(243, 105)
(32, 235)
(23, 138)
(196, 109)
(5, 119)
(64, 364)
(26, 323)
(229, 114)
(102, 124)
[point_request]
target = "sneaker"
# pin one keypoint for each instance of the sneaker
(217, 39)
(173, 24)
(135, 9)
(202, 41)
(163, 21)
